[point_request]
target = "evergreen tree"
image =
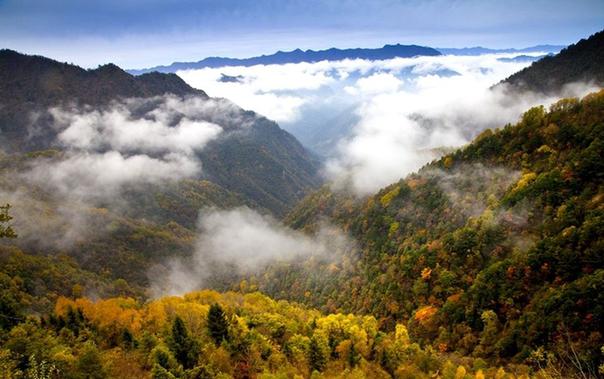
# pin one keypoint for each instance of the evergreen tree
(353, 356)
(159, 372)
(184, 347)
(11, 307)
(218, 325)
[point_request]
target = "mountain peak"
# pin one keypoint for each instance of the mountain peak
(108, 67)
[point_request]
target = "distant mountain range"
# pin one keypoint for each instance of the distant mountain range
(333, 54)
(298, 56)
(580, 62)
(479, 50)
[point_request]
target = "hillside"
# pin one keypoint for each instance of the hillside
(492, 251)
(80, 197)
(39, 80)
(283, 169)
(580, 62)
(484, 263)
(207, 334)
(32, 83)
(299, 56)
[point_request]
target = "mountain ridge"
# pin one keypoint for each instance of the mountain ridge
(49, 79)
(298, 56)
(509, 226)
(334, 54)
(478, 50)
(579, 62)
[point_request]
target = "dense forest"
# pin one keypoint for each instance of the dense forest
(211, 335)
(502, 239)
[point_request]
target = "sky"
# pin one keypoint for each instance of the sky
(137, 33)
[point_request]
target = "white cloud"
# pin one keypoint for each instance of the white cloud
(242, 241)
(130, 142)
(405, 108)
(378, 83)
(400, 131)
(95, 176)
(262, 87)
(118, 130)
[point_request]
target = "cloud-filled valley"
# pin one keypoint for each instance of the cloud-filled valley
(377, 121)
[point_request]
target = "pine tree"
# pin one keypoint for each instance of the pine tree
(127, 339)
(159, 372)
(218, 325)
(353, 356)
(184, 347)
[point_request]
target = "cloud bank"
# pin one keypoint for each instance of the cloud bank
(377, 121)
(241, 241)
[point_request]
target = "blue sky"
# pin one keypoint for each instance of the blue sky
(136, 33)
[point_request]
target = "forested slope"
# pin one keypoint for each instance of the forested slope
(485, 263)
(495, 250)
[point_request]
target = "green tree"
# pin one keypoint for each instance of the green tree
(159, 372)
(89, 364)
(218, 326)
(489, 335)
(353, 355)
(11, 307)
(127, 339)
(185, 348)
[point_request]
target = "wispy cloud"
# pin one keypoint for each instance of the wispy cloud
(242, 241)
